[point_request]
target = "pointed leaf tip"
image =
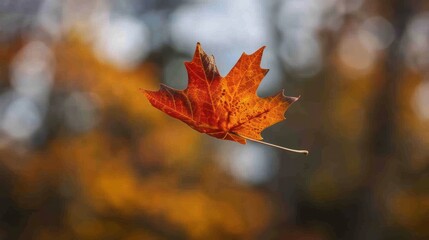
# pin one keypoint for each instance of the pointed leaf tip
(260, 51)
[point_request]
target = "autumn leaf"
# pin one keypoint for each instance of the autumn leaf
(223, 107)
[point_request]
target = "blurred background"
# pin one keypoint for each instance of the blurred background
(83, 155)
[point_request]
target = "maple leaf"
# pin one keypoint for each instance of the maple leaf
(223, 107)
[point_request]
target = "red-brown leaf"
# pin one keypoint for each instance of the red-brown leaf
(223, 107)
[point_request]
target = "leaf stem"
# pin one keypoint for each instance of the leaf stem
(273, 145)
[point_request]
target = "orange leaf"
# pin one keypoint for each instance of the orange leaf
(223, 107)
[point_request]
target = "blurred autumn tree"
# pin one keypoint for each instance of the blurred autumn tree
(84, 156)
